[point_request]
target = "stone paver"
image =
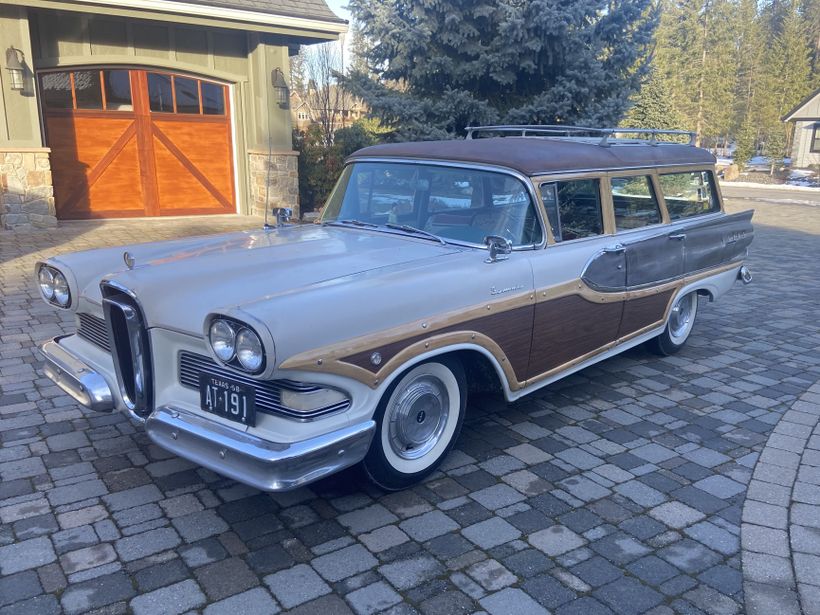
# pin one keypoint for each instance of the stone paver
(662, 485)
(781, 539)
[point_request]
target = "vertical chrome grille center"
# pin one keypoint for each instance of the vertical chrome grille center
(130, 347)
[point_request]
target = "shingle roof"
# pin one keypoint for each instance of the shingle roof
(535, 155)
(313, 9)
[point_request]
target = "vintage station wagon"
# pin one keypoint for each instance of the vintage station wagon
(508, 259)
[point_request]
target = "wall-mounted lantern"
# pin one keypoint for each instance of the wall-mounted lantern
(281, 90)
(16, 68)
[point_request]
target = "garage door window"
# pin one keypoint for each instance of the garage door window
(184, 95)
(88, 90)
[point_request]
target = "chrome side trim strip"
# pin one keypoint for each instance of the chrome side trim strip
(251, 460)
(75, 377)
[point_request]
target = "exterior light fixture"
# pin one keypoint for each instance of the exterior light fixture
(280, 88)
(17, 71)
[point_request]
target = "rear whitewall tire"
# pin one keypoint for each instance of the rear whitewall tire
(679, 326)
(418, 420)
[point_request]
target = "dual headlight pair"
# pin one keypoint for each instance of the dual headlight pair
(54, 286)
(235, 344)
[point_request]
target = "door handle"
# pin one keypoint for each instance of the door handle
(678, 236)
(616, 249)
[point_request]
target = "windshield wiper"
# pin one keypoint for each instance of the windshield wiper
(415, 231)
(352, 223)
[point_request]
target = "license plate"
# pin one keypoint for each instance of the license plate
(228, 399)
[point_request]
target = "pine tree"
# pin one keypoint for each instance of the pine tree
(787, 77)
(442, 66)
(694, 55)
(652, 106)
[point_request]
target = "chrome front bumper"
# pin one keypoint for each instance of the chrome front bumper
(75, 377)
(265, 465)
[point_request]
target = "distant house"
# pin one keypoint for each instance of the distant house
(307, 109)
(806, 143)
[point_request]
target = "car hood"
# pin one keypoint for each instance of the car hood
(179, 282)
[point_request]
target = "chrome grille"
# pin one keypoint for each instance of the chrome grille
(94, 330)
(267, 392)
(131, 348)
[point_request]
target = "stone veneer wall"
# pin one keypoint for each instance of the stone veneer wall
(26, 192)
(283, 187)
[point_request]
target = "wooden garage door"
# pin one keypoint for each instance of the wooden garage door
(129, 142)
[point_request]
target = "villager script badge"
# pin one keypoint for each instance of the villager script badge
(506, 289)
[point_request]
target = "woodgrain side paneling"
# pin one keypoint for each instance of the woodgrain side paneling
(511, 330)
(569, 327)
(644, 311)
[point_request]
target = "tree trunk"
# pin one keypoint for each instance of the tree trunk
(701, 79)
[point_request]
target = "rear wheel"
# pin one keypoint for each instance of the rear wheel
(681, 321)
(418, 421)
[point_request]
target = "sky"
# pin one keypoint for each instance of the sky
(339, 7)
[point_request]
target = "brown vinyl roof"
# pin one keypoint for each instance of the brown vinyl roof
(538, 155)
(310, 9)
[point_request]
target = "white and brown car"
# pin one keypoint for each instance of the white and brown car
(279, 356)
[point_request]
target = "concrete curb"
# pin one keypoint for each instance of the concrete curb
(780, 532)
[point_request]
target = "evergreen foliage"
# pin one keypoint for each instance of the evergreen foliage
(434, 67)
(653, 106)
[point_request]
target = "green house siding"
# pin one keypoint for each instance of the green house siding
(19, 118)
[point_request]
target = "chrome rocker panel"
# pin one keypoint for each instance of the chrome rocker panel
(75, 377)
(264, 465)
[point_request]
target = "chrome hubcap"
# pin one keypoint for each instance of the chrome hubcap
(681, 316)
(418, 417)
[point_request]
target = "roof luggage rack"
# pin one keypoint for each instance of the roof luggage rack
(605, 137)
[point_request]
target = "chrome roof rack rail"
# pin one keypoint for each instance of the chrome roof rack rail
(604, 136)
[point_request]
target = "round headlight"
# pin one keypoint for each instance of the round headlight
(61, 293)
(46, 281)
(223, 340)
(249, 350)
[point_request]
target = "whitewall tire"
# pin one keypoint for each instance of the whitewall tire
(678, 326)
(418, 420)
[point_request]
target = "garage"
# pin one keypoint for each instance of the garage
(129, 142)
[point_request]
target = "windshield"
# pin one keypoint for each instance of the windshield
(453, 203)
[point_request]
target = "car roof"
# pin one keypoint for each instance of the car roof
(543, 155)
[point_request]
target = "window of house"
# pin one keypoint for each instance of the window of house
(88, 89)
(815, 139)
(689, 194)
(117, 87)
(213, 98)
(573, 208)
(56, 90)
(160, 93)
(635, 202)
(187, 95)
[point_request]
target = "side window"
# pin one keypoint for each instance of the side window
(689, 194)
(573, 208)
(634, 202)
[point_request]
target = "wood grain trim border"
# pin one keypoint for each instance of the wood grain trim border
(332, 358)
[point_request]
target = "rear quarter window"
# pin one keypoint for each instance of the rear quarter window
(689, 194)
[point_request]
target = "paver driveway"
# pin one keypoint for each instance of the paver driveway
(619, 489)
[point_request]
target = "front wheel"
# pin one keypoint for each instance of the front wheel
(418, 420)
(681, 321)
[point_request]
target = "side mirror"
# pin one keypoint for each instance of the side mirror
(500, 248)
(283, 215)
